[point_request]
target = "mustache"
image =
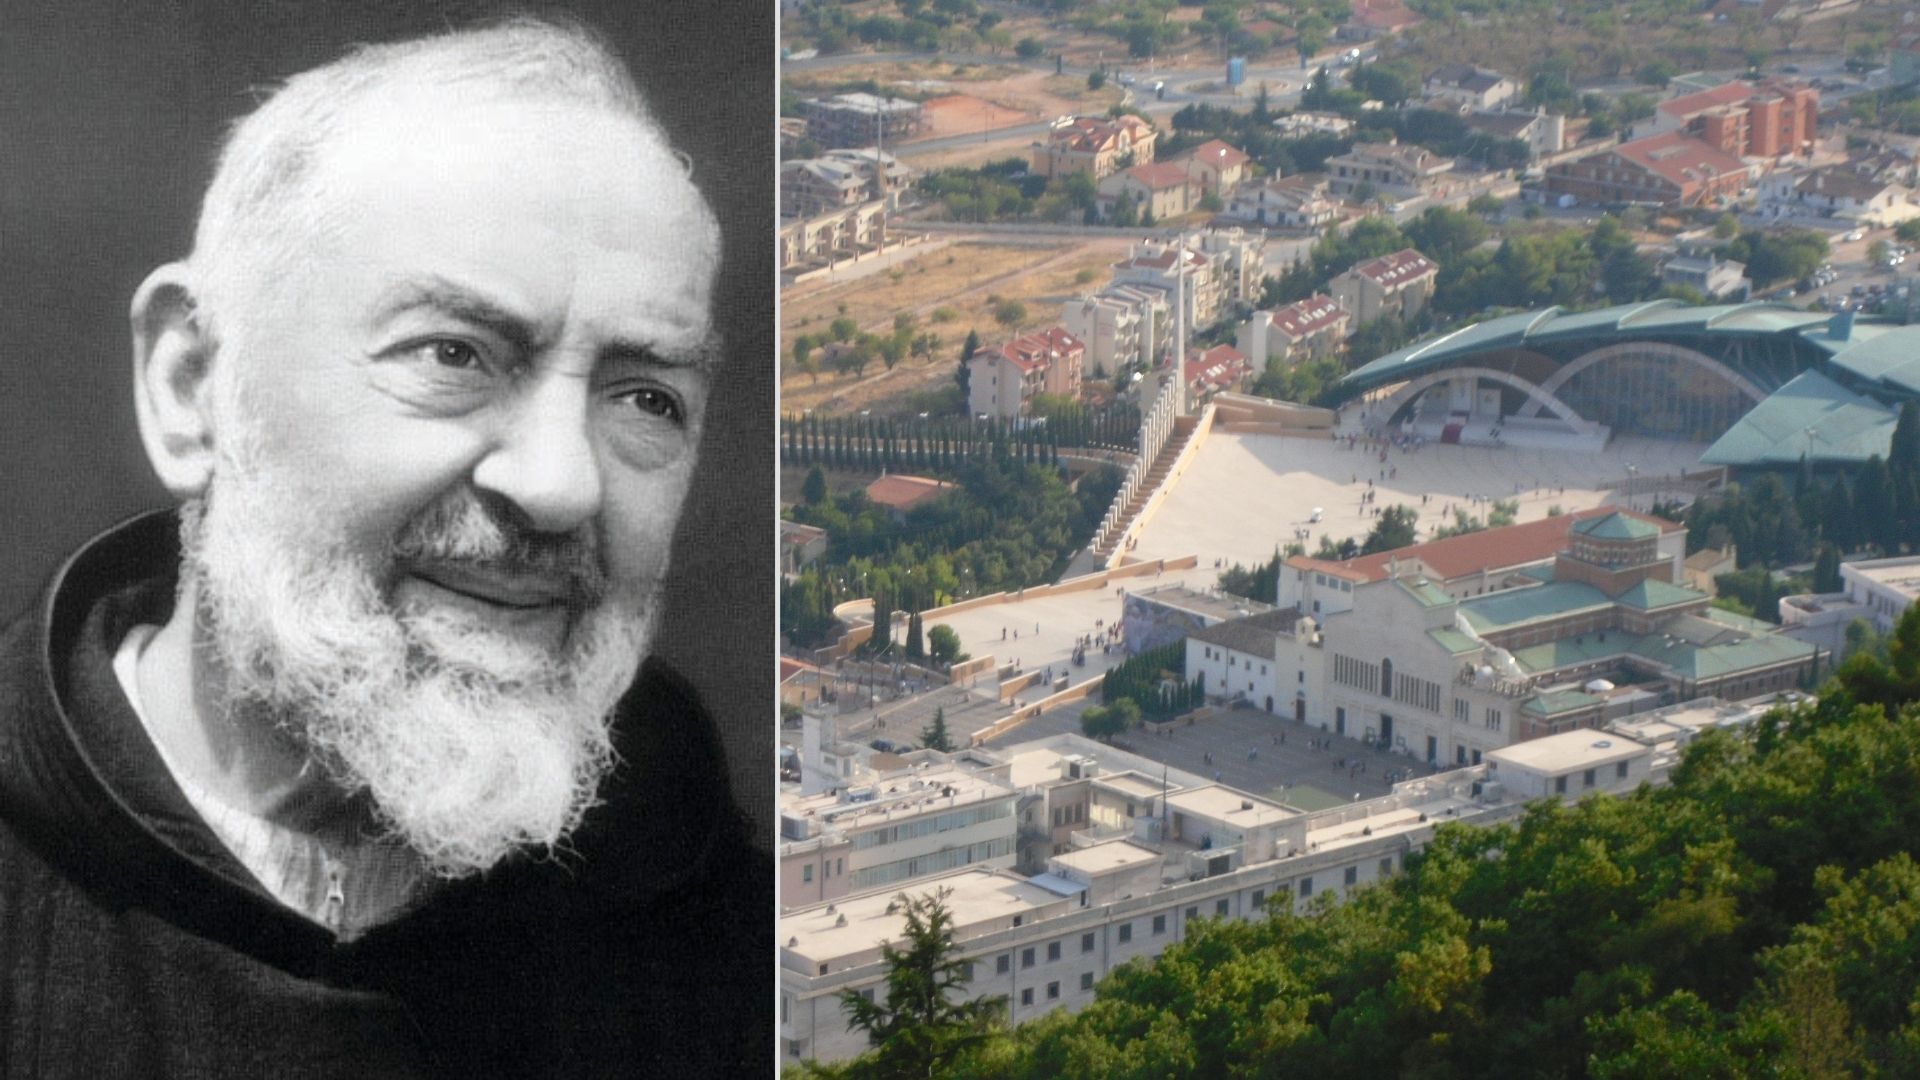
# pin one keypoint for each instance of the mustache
(464, 529)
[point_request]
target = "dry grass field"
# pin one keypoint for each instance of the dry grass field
(965, 281)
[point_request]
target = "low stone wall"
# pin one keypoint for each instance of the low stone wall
(1034, 708)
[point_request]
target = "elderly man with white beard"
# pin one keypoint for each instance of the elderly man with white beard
(356, 765)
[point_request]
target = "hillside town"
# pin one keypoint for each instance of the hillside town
(1539, 420)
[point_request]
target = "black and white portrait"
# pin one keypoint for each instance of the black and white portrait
(388, 420)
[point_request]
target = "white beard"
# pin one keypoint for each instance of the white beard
(471, 742)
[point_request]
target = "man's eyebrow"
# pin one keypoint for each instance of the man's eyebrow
(462, 303)
(702, 355)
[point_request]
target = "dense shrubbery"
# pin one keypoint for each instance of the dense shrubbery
(1007, 525)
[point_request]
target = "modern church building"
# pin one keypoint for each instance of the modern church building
(1765, 384)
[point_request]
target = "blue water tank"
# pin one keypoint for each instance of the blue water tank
(1236, 71)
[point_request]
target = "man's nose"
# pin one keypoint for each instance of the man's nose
(542, 459)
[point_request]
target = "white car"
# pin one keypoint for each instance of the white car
(1854, 235)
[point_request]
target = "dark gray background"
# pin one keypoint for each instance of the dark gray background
(110, 115)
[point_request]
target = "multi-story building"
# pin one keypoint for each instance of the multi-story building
(1774, 118)
(860, 119)
(1251, 658)
(1157, 191)
(1099, 146)
(1211, 371)
(1389, 169)
(1542, 131)
(1713, 278)
(1672, 169)
(1002, 381)
(1303, 330)
(1121, 324)
(1214, 167)
(1839, 192)
(914, 822)
(812, 186)
(1288, 203)
(1398, 284)
(828, 238)
(1220, 267)
(1465, 86)
(1878, 591)
(1601, 630)
(1152, 851)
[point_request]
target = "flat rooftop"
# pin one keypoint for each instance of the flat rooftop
(1037, 762)
(1233, 807)
(1107, 857)
(1900, 575)
(857, 924)
(935, 788)
(1569, 751)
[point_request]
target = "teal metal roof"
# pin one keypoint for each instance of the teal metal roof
(1812, 417)
(1529, 329)
(1453, 640)
(1572, 652)
(1513, 607)
(1653, 595)
(1555, 702)
(1713, 661)
(1426, 592)
(1891, 357)
(1616, 526)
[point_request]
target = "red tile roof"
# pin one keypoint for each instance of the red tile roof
(1680, 158)
(897, 492)
(1687, 105)
(1401, 266)
(1303, 317)
(1489, 549)
(1219, 366)
(1217, 154)
(1040, 346)
(1159, 175)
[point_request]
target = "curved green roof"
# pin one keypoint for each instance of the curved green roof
(1812, 417)
(1603, 326)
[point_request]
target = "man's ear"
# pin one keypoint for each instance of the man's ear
(172, 380)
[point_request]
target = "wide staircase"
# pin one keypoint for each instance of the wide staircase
(1107, 542)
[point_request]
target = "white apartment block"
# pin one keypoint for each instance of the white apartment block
(1398, 284)
(1188, 850)
(1303, 330)
(1121, 324)
(1876, 590)
(925, 819)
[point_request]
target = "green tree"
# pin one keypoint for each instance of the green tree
(926, 1024)
(935, 736)
(1394, 529)
(1105, 722)
(916, 645)
(1826, 570)
(1010, 313)
(842, 329)
(943, 645)
(814, 488)
(1096, 79)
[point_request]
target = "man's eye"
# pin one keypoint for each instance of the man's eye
(655, 402)
(448, 352)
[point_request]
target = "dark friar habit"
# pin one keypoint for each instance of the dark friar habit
(133, 944)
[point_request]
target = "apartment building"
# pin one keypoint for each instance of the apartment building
(1121, 324)
(1096, 145)
(1303, 330)
(1398, 284)
(1672, 169)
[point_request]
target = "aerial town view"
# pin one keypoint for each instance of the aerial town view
(1537, 384)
